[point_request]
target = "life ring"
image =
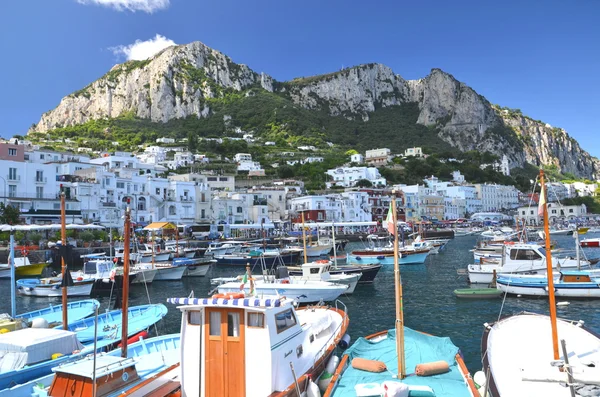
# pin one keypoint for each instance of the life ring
(230, 295)
(113, 272)
(24, 252)
(322, 261)
(285, 281)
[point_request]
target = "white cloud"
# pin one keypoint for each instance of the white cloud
(148, 6)
(141, 50)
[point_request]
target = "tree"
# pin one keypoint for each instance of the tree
(364, 183)
(192, 141)
(9, 214)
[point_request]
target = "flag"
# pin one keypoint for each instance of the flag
(244, 281)
(391, 224)
(542, 201)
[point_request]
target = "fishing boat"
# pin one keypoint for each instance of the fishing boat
(530, 354)
(223, 337)
(110, 323)
(270, 258)
(167, 271)
(102, 271)
(152, 252)
(319, 271)
(386, 256)
(378, 364)
(194, 252)
(520, 258)
(23, 268)
(478, 293)
(151, 357)
(561, 232)
(52, 314)
(368, 271)
(573, 284)
(590, 242)
(52, 286)
(144, 273)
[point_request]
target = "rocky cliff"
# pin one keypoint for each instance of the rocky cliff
(182, 81)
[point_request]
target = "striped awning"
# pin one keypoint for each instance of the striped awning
(241, 302)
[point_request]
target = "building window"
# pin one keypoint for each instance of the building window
(120, 185)
(12, 152)
(42, 156)
(570, 210)
(39, 192)
(172, 210)
(158, 190)
(223, 179)
(202, 214)
(56, 206)
(12, 190)
(39, 176)
(239, 210)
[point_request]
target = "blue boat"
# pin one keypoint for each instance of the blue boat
(53, 313)
(27, 354)
(109, 323)
(151, 355)
(420, 348)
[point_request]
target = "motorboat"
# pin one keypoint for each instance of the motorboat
(102, 271)
(573, 284)
(270, 257)
(368, 271)
(590, 242)
(52, 286)
(520, 258)
(23, 268)
(227, 334)
(320, 271)
(194, 267)
(152, 253)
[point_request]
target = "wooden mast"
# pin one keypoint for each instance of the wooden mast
(63, 239)
(398, 289)
(304, 238)
(176, 240)
(552, 299)
(125, 286)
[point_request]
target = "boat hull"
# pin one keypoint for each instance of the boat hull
(539, 287)
(53, 314)
(144, 276)
(159, 257)
(590, 243)
(169, 273)
(83, 288)
(368, 272)
(32, 270)
(478, 293)
(269, 260)
(199, 270)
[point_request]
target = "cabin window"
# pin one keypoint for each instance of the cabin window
(215, 324)
(314, 270)
(285, 320)
(233, 324)
(256, 320)
(194, 318)
(524, 255)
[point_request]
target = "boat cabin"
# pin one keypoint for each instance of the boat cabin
(524, 252)
(97, 268)
(575, 277)
(240, 346)
(318, 270)
(77, 379)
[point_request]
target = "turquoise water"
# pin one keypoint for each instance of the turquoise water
(429, 304)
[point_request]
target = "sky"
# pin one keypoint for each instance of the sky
(541, 57)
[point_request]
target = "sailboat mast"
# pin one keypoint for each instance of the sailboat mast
(63, 238)
(304, 238)
(13, 280)
(552, 299)
(176, 240)
(398, 288)
(125, 286)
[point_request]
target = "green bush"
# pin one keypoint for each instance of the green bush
(35, 238)
(86, 236)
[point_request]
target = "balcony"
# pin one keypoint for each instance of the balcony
(41, 180)
(33, 196)
(259, 202)
(109, 204)
(13, 178)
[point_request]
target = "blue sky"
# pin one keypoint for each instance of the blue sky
(539, 56)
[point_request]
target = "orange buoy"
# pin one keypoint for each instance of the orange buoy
(230, 295)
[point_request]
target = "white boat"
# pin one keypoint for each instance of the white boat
(561, 232)
(165, 271)
(519, 258)
(517, 351)
(217, 249)
(146, 251)
(52, 286)
(246, 346)
(319, 271)
(144, 273)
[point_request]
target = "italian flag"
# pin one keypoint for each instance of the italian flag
(391, 222)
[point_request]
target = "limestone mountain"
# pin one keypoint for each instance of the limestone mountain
(195, 81)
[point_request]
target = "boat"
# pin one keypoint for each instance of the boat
(367, 271)
(319, 271)
(151, 356)
(573, 284)
(478, 293)
(271, 258)
(378, 364)
(530, 354)
(23, 268)
(110, 323)
(52, 286)
(144, 273)
(226, 336)
(561, 232)
(194, 252)
(520, 258)
(386, 257)
(150, 254)
(167, 271)
(32, 352)
(590, 242)
(197, 267)
(102, 271)
(52, 314)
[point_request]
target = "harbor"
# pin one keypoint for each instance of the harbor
(430, 305)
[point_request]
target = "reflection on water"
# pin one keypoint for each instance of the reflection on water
(429, 304)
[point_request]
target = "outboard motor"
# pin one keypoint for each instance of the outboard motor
(282, 272)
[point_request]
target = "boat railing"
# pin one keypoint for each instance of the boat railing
(331, 339)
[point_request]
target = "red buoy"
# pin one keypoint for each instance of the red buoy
(136, 338)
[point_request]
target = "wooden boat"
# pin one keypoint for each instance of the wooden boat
(23, 268)
(386, 350)
(110, 323)
(224, 337)
(573, 284)
(52, 287)
(478, 293)
(530, 354)
(52, 314)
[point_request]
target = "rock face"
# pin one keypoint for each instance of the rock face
(180, 82)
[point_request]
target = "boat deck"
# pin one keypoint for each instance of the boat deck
(419, 348)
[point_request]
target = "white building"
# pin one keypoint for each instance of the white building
(245, 164)
(556, 191)
(557, 214)
(348, 176)
(497, 197)
(357, 158)
(581, 189)
(165, 140)
(345, 207)
(413, 152)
